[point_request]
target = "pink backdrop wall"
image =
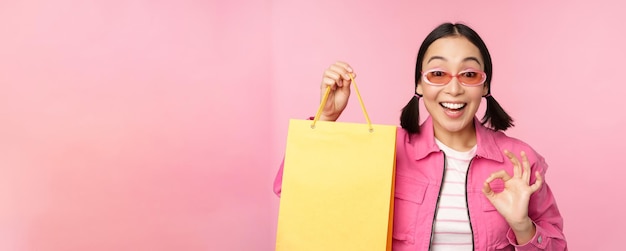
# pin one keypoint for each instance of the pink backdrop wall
(159, 125)
(134, 125)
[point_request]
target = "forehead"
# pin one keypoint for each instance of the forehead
(454, 49)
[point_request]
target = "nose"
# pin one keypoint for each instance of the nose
(454, 87)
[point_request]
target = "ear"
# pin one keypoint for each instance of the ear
(485, 90)
(419, 90)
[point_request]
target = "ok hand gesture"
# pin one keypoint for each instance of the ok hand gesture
(512, 202)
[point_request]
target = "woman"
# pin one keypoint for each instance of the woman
(460, 184)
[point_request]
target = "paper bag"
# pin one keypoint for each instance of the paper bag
(337, 190)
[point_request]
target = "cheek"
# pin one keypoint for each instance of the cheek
(430, 98)
(430, 92)
(478, 93)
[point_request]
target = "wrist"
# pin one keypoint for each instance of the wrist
(326, 118)
(522, 225)
(524, 230)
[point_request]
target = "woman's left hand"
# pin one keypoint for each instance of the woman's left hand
(512, 202)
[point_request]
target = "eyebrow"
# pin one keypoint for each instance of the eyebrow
(464, 60)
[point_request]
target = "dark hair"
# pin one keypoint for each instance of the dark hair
(496, 116)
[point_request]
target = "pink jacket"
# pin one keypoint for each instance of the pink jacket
(419, 173)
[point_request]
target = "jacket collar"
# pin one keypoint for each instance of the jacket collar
(486, 145)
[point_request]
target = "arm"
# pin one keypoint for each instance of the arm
(337, 78)
(528, 205)
(278, 181)
(545, 216)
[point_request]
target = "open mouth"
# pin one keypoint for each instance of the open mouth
(453, 106)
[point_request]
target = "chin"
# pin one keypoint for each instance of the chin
(456, 125)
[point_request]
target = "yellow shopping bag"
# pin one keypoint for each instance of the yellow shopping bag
(337, 190)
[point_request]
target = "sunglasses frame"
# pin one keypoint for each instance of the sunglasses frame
(482, 73)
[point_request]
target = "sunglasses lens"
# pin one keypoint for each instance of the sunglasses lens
(471, 78)
(438, 77)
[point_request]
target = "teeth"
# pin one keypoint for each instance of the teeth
(453, 106)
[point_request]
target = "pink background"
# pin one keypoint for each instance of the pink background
(159, 125)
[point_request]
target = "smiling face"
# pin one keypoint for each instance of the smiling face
(452, 106)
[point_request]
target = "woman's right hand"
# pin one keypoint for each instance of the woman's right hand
(338, 79)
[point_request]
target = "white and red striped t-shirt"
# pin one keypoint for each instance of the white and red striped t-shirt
(452, 227)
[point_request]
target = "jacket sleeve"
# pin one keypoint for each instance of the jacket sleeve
(278, 181)
(544, 213)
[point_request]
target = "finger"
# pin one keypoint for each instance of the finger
(347, 81)
(517, 169)
(344, 65)
(498, 175)
(334, 75)
(526, 165)
(332, 79)
(351, 73)
(538, 182)
(329, 82)
(340, 71)
(487, 190)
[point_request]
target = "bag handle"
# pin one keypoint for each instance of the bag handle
(319, 110)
